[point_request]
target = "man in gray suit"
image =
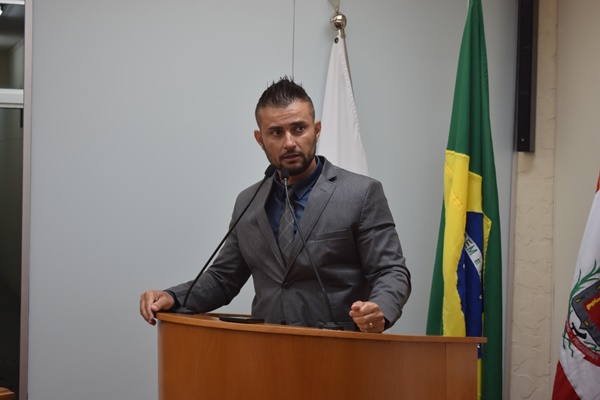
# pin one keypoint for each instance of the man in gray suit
(345, 231)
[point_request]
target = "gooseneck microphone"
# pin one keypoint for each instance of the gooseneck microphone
(183, 309)
(331, 325)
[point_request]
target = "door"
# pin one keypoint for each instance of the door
(11, 189)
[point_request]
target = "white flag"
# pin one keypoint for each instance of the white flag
(340, 140)
(578, 370)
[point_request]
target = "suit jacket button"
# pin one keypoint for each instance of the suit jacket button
(286, 285)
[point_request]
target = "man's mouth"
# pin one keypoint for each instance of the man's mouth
(291, 157)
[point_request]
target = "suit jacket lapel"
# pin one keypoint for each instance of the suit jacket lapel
(319, 197)
(263, 223)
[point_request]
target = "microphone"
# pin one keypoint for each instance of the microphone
(285, 174)
(183, 309)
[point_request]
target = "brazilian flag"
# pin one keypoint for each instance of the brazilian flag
(466, 291)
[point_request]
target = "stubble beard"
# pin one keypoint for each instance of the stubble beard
(305, 161)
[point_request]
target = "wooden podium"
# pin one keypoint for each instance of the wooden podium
(201, 357)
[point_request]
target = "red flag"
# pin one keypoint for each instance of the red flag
(578, 370)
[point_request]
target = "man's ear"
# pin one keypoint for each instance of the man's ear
(318, 129)
(258, 139)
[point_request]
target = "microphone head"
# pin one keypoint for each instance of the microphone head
(270, 169)
(285, 173)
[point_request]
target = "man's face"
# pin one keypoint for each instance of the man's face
(289, 136)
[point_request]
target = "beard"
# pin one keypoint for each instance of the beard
(300, 165)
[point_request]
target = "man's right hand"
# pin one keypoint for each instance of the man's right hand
(152, 301)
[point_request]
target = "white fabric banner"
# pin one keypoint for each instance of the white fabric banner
(340, 140)
(580, 348)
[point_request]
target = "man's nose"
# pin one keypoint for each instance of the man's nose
(289, 140)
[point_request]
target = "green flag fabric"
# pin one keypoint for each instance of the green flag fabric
(466, 290)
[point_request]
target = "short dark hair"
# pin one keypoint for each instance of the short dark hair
(282, 94)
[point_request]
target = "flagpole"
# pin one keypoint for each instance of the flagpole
(335, 4)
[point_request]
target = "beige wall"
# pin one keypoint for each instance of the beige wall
(533, 216)
(553, 191)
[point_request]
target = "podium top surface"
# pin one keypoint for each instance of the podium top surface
(212, 321)
(6, 394)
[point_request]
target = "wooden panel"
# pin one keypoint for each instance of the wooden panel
(461, 371)
(202, 356)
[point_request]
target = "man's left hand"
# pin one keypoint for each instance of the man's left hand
(368, 317)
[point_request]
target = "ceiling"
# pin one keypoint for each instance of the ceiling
(12, 25)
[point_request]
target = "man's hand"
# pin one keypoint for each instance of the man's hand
(368, 317)
(152, 301)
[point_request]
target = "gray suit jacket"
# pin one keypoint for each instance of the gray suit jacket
(352, 239)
